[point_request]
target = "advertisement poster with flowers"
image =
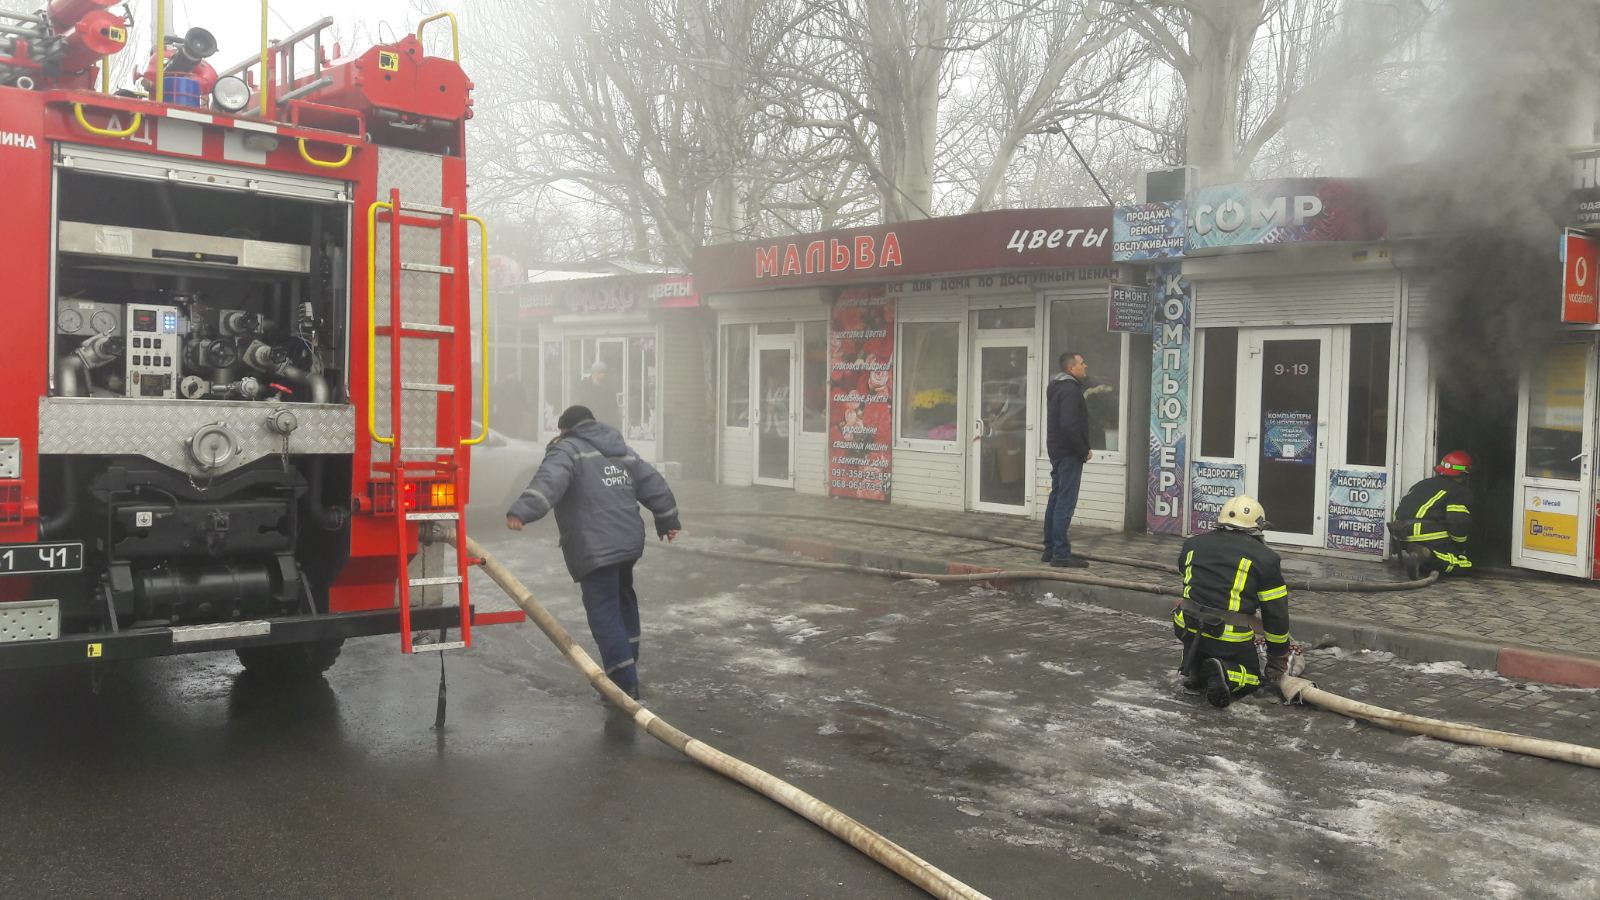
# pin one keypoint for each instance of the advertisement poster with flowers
(860, 388)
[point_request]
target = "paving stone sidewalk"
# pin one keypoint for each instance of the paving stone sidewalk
(1527, 625)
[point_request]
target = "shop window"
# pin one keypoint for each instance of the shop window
(929, 354)
(606, 396)
(1556, 412)
(554, 400)
(1219, 392)
(1011, 317)
(736, 375)
(1079, 326)
(640, 409)
(814, 376)
(1367, 420)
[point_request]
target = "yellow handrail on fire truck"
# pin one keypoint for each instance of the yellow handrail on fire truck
(483, 291)
(77, 112)
(455, 33)
(372, 322)
(349, 151)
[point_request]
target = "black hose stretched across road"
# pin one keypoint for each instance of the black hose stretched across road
(1324, 585)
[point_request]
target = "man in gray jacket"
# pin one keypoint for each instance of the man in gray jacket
(595, 484)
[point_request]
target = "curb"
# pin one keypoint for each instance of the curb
(1510, 660)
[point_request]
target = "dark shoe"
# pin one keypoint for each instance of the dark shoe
(1218, 693)
(1194, 684)
(1068, 562)
(1045, 557)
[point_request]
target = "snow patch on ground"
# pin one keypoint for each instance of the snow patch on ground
(1059, 669)
(795, 629)
(768, 661)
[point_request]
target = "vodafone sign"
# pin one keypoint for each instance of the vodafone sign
(1580, 289)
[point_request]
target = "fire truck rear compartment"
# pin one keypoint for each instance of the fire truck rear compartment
(198, 418)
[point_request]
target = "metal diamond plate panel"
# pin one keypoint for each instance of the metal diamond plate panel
(93, 425)
(420, 179)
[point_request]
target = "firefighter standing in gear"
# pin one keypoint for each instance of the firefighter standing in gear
(1433, 520)
(1228, 574)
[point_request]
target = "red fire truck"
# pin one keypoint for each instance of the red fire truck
(241, 398)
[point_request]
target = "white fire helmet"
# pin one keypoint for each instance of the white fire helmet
(1243, 513)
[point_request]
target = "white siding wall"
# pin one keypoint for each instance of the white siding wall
(1101, 499)
(811, 463)
(932, 480)
(736, 456)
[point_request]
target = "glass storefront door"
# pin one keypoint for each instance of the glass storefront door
(1555, 442)
(1000, 464)
(1284, 414)
(774, 419)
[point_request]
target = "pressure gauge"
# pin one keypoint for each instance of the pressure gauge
(69, 321)
(104, 321)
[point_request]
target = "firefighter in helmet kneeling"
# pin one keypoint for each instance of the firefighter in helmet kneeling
(1434, 519)
(1228, 575)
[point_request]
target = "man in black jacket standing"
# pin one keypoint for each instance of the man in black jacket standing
(595, 483)
(1067, 440)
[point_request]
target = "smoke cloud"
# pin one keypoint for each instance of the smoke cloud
(1513, 95)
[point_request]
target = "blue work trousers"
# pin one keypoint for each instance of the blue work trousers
(1066, 475)
(613, 611)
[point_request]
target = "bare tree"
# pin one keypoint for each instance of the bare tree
(870, 74)
(1052, 65)
(1249, 66)
(654, 110)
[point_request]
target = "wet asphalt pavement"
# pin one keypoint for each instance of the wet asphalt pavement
(1029, 746)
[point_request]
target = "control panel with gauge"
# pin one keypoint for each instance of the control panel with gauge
(88, 318)
(153, 352)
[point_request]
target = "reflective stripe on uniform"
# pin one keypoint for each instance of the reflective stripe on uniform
(1236, 635)
(1239, 579)
(1188, 573)
(1243, 679)
(1458, 508)
(1277, 638)
(538, 495)
(1417, 534)
(1422, 511)
(619, 666)
(1271, 594)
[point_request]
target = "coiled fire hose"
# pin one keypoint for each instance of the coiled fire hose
(879, 848)
(1293, 688)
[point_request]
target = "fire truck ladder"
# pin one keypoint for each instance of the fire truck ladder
(435, 468)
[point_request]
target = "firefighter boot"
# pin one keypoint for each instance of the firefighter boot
(1414, 558)
(1218, 693)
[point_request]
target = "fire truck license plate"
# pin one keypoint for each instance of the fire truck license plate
(27, 559)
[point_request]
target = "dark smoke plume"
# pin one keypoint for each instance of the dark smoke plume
(1514, 94)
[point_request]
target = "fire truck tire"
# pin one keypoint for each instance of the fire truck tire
(289, 662)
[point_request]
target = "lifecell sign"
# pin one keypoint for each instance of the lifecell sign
(976, 242)
(1580, 285)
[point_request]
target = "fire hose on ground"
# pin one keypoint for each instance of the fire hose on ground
(877, 847)
(1294, 689)
(1323, 585)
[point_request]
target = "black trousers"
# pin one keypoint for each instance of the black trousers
(1240, 659)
